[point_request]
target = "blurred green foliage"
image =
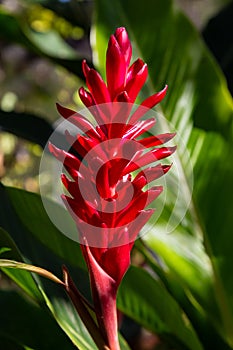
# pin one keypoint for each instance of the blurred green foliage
(186, 297)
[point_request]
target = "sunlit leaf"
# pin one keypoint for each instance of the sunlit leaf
(14, 30)
(144, 299)
(11, 264)
(51, 44)
(3, 250)
(23, 278)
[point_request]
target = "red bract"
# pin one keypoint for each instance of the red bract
(108, 202)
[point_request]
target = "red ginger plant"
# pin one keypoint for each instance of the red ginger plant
(106, 201)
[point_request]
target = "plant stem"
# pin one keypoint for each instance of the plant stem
(108, 321)
(83, 312)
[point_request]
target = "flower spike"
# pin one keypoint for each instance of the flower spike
(110, 181)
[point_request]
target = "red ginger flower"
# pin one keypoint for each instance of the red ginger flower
(107, 202)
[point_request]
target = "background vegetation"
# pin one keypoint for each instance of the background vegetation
(178, 293)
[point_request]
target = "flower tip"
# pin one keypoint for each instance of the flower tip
(122, 38)
(82, 92)
(120, 30)
(64, 179)
(172, 149)
(123, 97)
(65, 200)
(141, 63)
(86, 97)
(52, 148)
(113, 51)
(86, 69)
(161, 94)
(84, 240)
(64, 112)
(112, 41)
(164, 90)
(172, 135)
(166, 168)
(157, 190)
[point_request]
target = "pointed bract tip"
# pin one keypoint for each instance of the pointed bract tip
(64, 112)
(85, 68)
(83, 93)
(122, 38)
(166, 167)
(51, 148)
(123, 97)
(120, 30)
(112, 41)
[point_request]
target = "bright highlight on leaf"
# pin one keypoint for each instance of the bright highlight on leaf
(11, 264)
(3, 250)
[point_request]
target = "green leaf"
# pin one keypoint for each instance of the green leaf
(144, 299)
(28, 325)
(27, 126)
(50, 294)
(198, 253)
(180, 260)
(185, 256)
(28, 212)
(123, 343)
(194, 79)
(24, 211)
(11, 345)
(49, 45)
(22, 278)
(69, 321)
(11, 264)
(47, 293)
(41, 243)
(3, 250)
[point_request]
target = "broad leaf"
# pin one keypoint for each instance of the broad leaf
(51, 44)
(22, 278)
(26, 324)
(27, 126)
(35, 250)
(24, 211)
(45, 246)
(143, 298)
(187, 278)
(43, 293)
